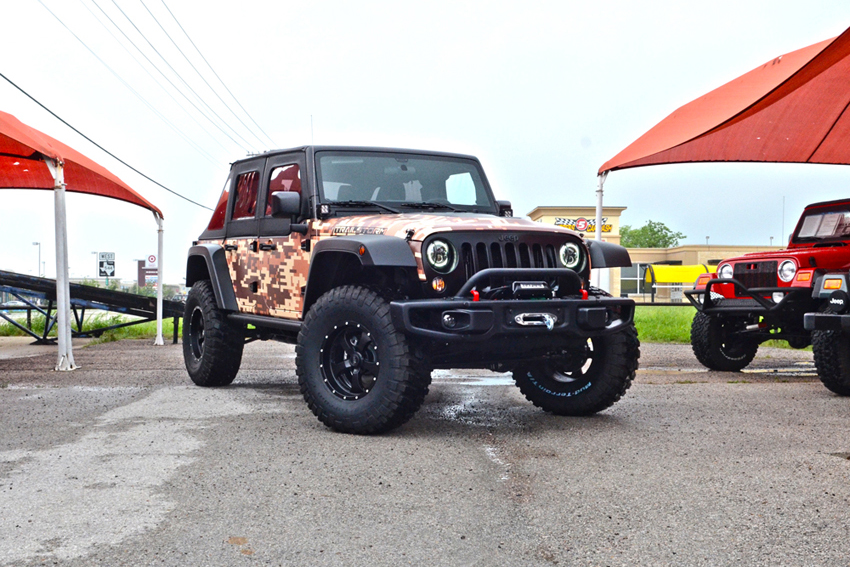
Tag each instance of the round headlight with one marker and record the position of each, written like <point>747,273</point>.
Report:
<point>786,271</point>
<point>725,272</point>
<point>440,255</point>
<point>572,256</point>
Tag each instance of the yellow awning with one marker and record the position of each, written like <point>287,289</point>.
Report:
<point>664,274</point>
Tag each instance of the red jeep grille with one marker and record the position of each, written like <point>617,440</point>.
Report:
<point>755,274</point>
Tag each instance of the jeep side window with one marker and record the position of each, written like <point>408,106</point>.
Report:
<point>283,178</point>
<point>245,200</point>
<point>217,220</point>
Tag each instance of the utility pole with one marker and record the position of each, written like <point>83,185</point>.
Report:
<point>38,269</point>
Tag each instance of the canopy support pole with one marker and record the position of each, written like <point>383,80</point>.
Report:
<point>159,232</point>
<point>65,358</point>
<point>597,276</point>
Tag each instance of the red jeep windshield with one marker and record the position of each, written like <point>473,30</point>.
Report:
<point>824,224</point>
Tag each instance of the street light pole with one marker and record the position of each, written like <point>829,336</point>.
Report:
<point>38,269</point>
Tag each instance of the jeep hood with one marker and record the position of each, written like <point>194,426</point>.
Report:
<point>418,227</point>
<point>829,257</point>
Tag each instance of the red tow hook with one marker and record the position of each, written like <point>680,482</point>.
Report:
<point>475,295</point>
<point>584,294</point>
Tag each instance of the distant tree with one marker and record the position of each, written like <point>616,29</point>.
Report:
<point>651,235</point>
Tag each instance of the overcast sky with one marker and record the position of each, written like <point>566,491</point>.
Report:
<point>542,92</point>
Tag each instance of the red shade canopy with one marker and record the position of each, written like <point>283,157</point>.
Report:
<point>791,109</point>
<point>21,167</point>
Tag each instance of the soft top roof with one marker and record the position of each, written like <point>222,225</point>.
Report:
<point>314,149</point>
<point>828,203</point>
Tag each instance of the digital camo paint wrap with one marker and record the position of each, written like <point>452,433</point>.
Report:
<point>272,282</point>
<point>269,282</point>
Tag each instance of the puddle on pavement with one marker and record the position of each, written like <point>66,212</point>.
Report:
<point>494,379</point>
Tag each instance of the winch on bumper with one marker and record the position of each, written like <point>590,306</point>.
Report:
<point>463,318</point>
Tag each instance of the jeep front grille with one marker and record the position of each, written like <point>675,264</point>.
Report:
<point>477,256</point>
<point>755,274</point>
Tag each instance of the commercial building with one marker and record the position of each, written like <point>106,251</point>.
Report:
<point>633,282</point>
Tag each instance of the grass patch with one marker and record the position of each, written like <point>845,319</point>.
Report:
<point>94,322</point>
<point>664,324</point>
<point>667,324</point>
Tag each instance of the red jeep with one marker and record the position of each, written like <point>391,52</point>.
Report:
<point>798,295</point>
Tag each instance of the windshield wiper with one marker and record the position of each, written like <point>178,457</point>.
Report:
<point>364,204</point>
<point>433,206</point>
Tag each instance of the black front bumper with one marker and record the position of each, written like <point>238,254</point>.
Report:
<point>826,322</point>
<point>461,320</point>
<point>751,300</point>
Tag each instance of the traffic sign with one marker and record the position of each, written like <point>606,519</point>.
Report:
<point>106,269</point>
<point>106,265</point>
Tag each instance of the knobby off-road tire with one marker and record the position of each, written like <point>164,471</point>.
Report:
<point>713,348</point>
<point>832,359</point>
<point>595,381</point>
<point>354,367</point>
<point>212,346</point>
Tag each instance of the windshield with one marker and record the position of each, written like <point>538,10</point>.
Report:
<point>402,180</point>
<point>824,224</point>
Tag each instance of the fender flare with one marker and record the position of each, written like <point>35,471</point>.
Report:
<point>212,257</point>
<point>379,251</point>
<point>607,255</point>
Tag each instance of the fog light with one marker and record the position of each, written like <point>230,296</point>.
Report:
<point>439,284</point>
<point>449,321</point>
<point>777,296</point>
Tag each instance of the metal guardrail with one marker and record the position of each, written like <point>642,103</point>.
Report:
<point>35,292</point>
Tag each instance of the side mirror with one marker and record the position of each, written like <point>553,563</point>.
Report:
<point>505,209</point>
<point>286,204</point>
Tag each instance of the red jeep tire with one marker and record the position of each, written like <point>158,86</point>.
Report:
<point>832,359</point>
<point>713,347</point>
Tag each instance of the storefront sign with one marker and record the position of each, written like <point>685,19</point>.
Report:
<point>582,224</point>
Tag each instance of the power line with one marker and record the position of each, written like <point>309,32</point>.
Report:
<point>158,70</point>
<point>173,70</point>
<point>131,89</point>
<point>101,147</point>
<point>174,43</point>
<point>145,69</point>
<point>216,74</point>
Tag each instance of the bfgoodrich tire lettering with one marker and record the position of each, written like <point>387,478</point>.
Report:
<point>595,380</point>
<point>714,346</point>
<point>832,359</point>
<point>355,369</point>
<point>212,346</point>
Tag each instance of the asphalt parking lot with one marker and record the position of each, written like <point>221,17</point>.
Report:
<point>124,462</point>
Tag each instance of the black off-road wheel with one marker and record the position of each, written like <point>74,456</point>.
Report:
<point>354,367</point>
<point>832,359</point>
<point>212,346</point>
<point>593,380</point>
<point>715,346</point>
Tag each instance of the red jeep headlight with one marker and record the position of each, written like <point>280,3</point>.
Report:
<point>786,270</point>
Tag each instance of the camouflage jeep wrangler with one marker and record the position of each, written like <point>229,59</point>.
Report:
<point>381,265</point>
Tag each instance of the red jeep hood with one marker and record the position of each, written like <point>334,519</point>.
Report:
<point>833,257</point>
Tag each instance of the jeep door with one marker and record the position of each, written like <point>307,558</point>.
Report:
<point>240,241</point>
<point>284,255</point>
